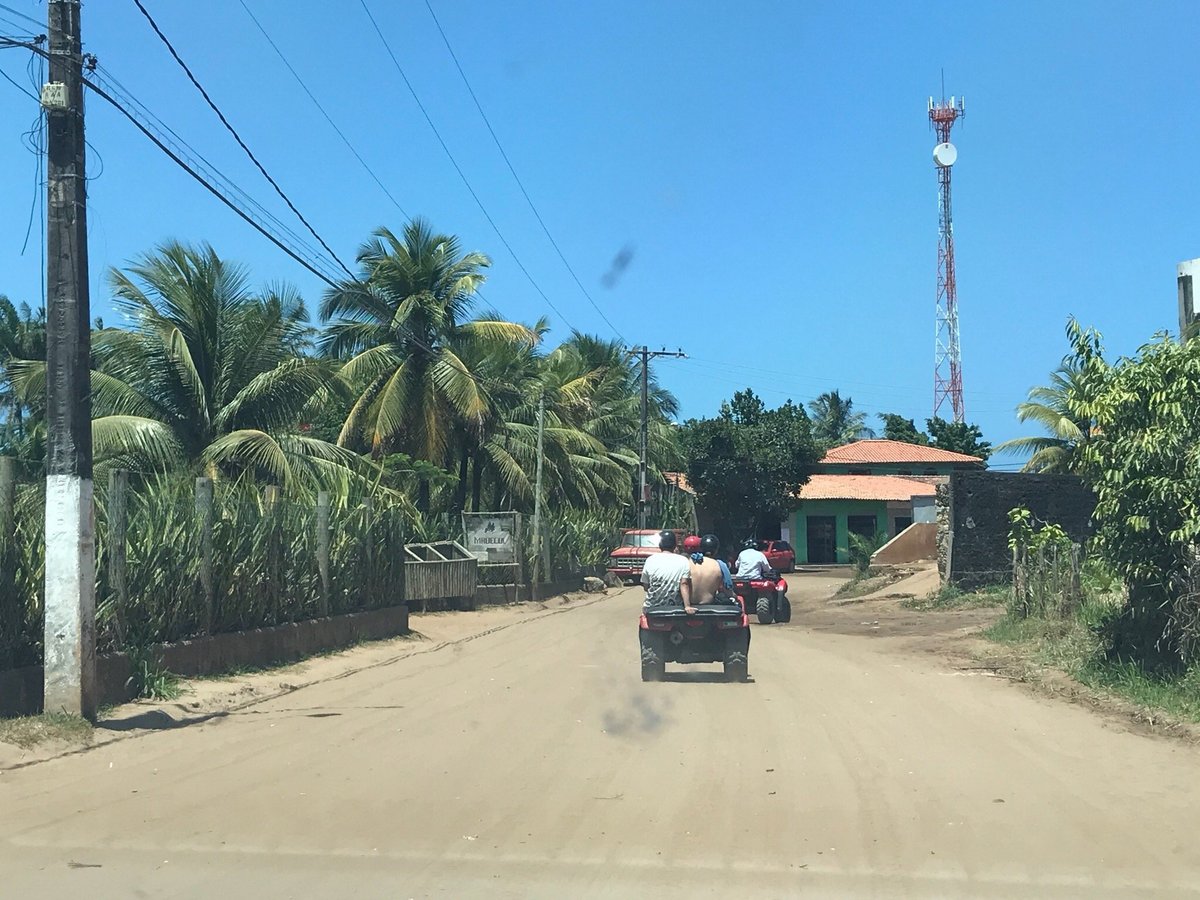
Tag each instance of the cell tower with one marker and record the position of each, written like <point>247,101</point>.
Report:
<point>947,361</point>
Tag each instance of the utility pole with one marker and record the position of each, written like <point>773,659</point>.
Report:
<point>644,437</point>
<point>538,557</point>
<point>70,603</point>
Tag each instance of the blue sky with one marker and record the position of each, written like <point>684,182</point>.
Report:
<point>767,163</point>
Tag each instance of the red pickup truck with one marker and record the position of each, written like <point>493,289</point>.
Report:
<point>628,557</point>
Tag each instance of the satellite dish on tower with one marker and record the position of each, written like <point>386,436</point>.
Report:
<point>945,155</point>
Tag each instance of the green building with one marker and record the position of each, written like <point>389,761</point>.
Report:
<point>872,488</point>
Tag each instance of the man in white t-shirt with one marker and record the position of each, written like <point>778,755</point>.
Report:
<point>752,562</point>
<point>667,576</point>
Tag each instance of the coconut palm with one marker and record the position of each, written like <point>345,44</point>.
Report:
<point>1065,407</point>
<point>403,329</point>
<point>1051,407</point>
<point>22,337</point>
<point>834,421</point>
<point>209,374</point>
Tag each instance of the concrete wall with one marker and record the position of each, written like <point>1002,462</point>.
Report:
<point>21,689</point>
<point>499,594</point>
<point>916,542</point>
<point>979,503</point>
<point>924,510</point>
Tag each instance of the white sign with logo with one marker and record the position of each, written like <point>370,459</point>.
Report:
<point>491,537</point>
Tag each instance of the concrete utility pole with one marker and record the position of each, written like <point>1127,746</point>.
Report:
<point>70,626</point>
<point>644,437</point>
<point>538,555</point>
<point>1187,273</point>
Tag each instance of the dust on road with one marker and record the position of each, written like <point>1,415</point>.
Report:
<point>533,762</point>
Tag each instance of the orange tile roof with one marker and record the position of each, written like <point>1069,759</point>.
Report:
<point>864,487</point>
<point>679,480</point>
<point>884,451</point>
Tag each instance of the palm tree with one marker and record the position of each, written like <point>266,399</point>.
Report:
<point>1065,407</point>
<point>403,330</point>
<point>834,421</point>
<point>22,337</point>
<point>209,374</point>
<point>1051,407</point>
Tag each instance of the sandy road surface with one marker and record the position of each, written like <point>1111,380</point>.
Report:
<point>532,762</point>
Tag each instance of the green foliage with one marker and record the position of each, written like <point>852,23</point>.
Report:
<point>958,437</point>
<point>835,422</point>
<point>898,428</point>
<point>22,337</point>
<point>749,461</point>
<point>863,548</point>
<point>1144,465</point>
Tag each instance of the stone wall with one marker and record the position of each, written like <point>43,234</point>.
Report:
<point>974,539</point>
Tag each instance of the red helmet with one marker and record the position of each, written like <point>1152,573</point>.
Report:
<point>691,543</point>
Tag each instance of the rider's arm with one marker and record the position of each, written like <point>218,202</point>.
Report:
<point>685,592</point>
<point>726,578</point>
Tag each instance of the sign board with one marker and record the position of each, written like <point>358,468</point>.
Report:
<point>492,537</point>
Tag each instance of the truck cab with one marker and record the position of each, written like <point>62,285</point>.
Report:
<point>632,550</point>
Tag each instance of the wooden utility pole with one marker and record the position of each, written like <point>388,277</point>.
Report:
<point>70,626</point>
<point>537,501</point>
<point>644,435</point>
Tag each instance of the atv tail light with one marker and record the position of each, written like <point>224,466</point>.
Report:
<point>781,586</point>
<point>739,623</point>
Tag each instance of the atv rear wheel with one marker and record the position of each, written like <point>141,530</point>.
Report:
<point>785,610</point>
<point>654,664</point>
<point>737,650</point>
<point>764,611</point>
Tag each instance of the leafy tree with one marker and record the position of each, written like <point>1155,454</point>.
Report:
<point>898,428</point>
<point>1057,407</point>
<point>210,374</point>
<point>958,437</point>
<point>749,462</point>
<point>1142,461</point>
<point>834,421</point>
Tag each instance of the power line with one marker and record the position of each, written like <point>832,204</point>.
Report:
<point>167,136</point>
<point>100,92</point>
<point>317,104</point>
<point>513,171</point>
<point>21,15</point>
<point>237,137</point>
<point>458,168</point>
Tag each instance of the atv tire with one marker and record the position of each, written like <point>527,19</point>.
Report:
<point>764,611</point>
<point>654,666</point>
<point>735,662</point>
<point>785,610</point>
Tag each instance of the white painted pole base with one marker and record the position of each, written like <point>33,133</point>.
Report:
<point>70,636</point>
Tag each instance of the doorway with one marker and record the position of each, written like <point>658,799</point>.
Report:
<point>822,540</point>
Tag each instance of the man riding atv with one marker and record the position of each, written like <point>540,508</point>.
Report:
<point>712,624</point>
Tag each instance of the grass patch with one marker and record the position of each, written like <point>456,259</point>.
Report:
<point>867,582</point>
<point>29,731</point>
<point>950,597</point>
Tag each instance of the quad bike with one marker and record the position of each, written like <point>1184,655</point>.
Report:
<point>715,632</point>
<point>766,597</point>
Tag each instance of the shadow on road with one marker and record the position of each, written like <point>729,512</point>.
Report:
<point>156,720</point>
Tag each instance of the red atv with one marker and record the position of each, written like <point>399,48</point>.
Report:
<point>715,632</point>
<point>766,596</point>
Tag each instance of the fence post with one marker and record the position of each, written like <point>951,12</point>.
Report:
<point>205,523</point>
<point>370,583</point>
<point>323,543</point>
<point>274,549</point>
<point>118,525</point>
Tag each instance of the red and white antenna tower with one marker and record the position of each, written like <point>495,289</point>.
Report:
<point>947,361</point>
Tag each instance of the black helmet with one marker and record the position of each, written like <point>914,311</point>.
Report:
<point>666,540</point>
<point>749,544</point>
<point>710,544</point>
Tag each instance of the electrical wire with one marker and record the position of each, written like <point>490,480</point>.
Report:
<point>21,15</point>
<point>100,92</point>
<point>517,178</point>
<point>458,168</point>
<point>237,137</point>
<point>321,109</point>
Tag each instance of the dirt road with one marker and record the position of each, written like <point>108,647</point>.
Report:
<point>532,762</point>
